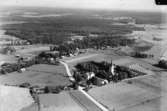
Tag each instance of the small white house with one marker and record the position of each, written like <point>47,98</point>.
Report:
<point>90,75</point>
<point>23,69</point>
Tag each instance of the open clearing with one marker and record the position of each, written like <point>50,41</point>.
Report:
<point>142,94</point>
<point>41,74</point>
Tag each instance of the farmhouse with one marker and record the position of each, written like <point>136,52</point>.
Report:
<point>99,82</point>
<point>89,75</point>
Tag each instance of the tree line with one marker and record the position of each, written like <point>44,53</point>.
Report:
<point>96,43</point>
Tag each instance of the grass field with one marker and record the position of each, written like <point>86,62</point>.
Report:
<point>38,74</point>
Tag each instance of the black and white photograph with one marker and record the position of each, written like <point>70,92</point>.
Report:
<point>83,55</point>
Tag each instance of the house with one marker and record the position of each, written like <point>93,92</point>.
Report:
<point>71,55</point>
<point>38,90</point>
<point>99,82</point>
<point>89,75</point>
<point>22,70</point>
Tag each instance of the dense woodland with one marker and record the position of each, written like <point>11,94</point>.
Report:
<point>57,30</point>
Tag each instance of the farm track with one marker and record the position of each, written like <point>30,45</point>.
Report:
<point>81,58</point>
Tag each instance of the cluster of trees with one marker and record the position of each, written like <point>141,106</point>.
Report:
<point>97,43</point>
<point>141,55</point>
<point>102,70</point>
<point>53,89</point>
<point>46,89</point>
<point>162,64</point>
<point>11,67</point>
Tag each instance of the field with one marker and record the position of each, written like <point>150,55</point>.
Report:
<point>31,49</point>
<point>55,102</point>
<point>86,103</point>
<point>7,58</point>
<point>38,75</point>
<point>52,26</point>
<point>108,55</point>
<point>62,102</point>
<point>13,98</point>
<point>141,94</point>
<point>94,55</point>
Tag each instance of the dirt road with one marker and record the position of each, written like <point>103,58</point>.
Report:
<point>83,97</point>
<point>81,58</point>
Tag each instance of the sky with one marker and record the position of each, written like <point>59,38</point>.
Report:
<point>147,5</point>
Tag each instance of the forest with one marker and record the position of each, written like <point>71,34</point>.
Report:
<point>58,30</point>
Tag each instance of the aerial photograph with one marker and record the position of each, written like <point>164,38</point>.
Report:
<point>83,55</point>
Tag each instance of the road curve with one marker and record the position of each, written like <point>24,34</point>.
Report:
<point>68,71</point>
<point>81,89</point>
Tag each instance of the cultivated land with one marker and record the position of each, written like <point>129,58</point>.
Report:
<point>95,55</point>
<point>14,98</point>
<point>7,58</point>
<point>108,55</point>
<point>41,74</point>
<point>86,103</point>
<point>31,49</point>
<point>55,102</point>
<point>142,94</point>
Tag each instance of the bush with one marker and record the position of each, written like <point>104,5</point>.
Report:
<point>25,85</point>
<point>162,64</point>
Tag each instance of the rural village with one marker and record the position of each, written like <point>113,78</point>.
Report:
<point>76,63</point>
